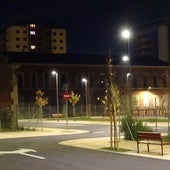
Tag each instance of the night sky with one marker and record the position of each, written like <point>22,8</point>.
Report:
<point>93,26</point>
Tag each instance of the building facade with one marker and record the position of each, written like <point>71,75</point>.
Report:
<point>8,96</point>
<point>149,86</point>
<point>34,39</point>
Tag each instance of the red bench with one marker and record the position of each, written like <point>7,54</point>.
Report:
<point>150,138</point>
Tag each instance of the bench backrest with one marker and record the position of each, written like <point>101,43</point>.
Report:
<point>148,135</point>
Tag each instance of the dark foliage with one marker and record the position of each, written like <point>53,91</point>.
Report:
<point>130,126</point>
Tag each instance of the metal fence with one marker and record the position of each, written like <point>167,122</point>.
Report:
<point>30,111</point>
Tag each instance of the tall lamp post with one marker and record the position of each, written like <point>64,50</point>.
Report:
<point>126,35</point>
<point>149,88</point>
<point>126,59</point>
<point>56,76</point>
<point>127,78</point>
<point>84,80</point>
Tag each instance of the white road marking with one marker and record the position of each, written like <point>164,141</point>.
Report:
<point>22,151</point>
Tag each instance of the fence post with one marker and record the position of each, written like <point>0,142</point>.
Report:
<point>156,116</point>
<point>168,118</point>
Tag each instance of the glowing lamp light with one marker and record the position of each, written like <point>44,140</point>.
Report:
<point>126,34</point>
<point>125,58</point>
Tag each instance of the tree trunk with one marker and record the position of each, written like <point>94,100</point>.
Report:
<point>74,111</point>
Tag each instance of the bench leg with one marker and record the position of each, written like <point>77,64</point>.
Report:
<point>137,147</point>
<point>162,152</point>
<point>148,147</point>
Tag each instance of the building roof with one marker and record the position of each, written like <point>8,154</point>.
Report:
<point>85,59</point>
<point>55,58</point>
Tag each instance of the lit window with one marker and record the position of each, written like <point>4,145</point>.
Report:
<point>32,25</point>
<point>33,47</point>
<point>32,32</point>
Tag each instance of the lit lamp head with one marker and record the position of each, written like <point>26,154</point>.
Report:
<point>128,74</point>
<point>54,72</point>
<point>84,80</point>
<point>149,87</point>
<point>126,34</point>
<point>125,58</point>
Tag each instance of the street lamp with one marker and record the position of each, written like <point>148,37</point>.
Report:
<point>84,80</point>
<point>149,88</point>
<point>127,78</point>
<point>128,93</point>
<point>56,75</point>
<point>126,34</point>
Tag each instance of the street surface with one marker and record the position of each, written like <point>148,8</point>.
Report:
<point>46,153</point>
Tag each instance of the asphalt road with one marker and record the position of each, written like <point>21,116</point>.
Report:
<point>42,153</point>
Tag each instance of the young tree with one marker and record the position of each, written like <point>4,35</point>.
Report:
<point>74,99</point>
<point>41,101</point>
<point>114,103</point>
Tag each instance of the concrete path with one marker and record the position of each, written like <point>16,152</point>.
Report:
<point>128,146</point>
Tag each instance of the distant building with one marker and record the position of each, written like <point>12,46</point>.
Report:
<point>34,39</point>
<point>152,40</point>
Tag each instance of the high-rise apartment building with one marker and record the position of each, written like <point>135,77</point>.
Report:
<point>152,40</point>
<point>33,39</point>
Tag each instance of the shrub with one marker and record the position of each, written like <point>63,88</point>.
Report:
<point>166,138</point>
<point>130,126</point>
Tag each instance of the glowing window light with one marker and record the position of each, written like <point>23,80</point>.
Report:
<point>32,32</point>
<point>33,47</point>
<point>32,25</point>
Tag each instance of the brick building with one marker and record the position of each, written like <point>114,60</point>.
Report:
<point>149,85</point>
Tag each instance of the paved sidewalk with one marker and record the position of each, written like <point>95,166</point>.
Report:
<point>130,146</point>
